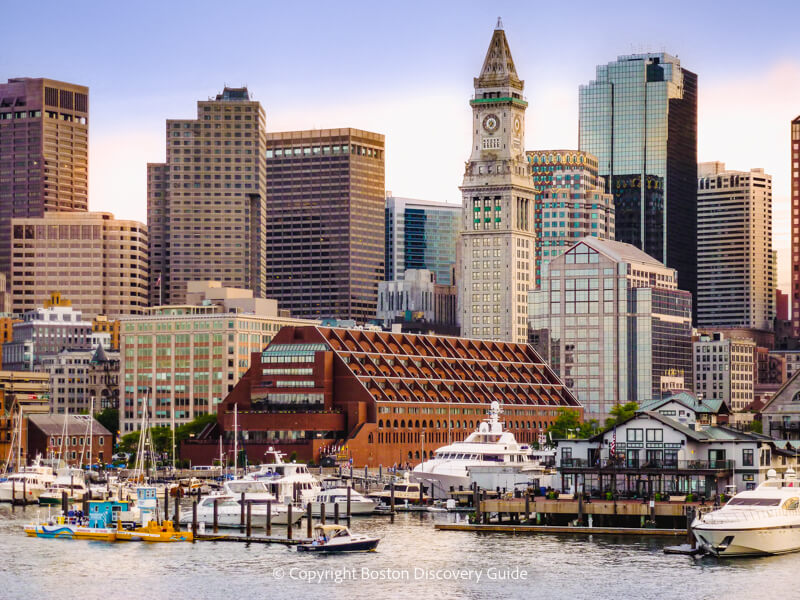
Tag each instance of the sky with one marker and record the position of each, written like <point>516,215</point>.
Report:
<point>405,70</point>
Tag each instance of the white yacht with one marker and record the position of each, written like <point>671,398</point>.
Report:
<point>765,520</point>
<point>290,482</point>
<point>32,480</point>
<point>69,480</point>
<point>405,491</point>
<point>359,504</point>
<point>489,446</point>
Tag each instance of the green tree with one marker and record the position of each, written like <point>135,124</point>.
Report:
<point>109,418</point>
<point>568,424</point>
<point>756,426</point>
<point>620,413</point>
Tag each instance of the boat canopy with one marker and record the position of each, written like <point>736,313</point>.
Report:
<point>330,530</point>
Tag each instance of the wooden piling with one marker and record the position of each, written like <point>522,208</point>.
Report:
<point>24,491</point>
<point>194,520</point>
<point>166,504</point>
<point>308,520</point>
<point>391,501</point>
<point>241,513</point>
<point>336,513</point>
<point>289,521</point>
<point>348,505</point>
<point>177,521</point>
<point>216,515</point>
<point>14,494</point>
<point>269,518</point>
<point>421,494</point>
<point>249,519</point>
<point>527,505</point>
<point>322,513</point>
<point>64,502</point>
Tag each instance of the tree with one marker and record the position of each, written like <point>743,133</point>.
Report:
<point>620,413</point>
<point>756,426</point>
<point>568,424</point>
<point>109,418</point>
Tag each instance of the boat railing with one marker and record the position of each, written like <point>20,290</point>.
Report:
<point>719,517</point>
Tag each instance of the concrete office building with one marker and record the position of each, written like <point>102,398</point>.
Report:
<point>418,304</point>
<point>735,268</point>
<point>206,203</point>
<point>421,234</point>
<point>610,320</point>
<point>497,241</point>
<point>184,359</point>
<point>325,222</point>
<point>44,151</point>
<point>77,378</point>
<point>639,118</point>
<point>571,204</point>
<point>725,369</point>
<point>105,258</point>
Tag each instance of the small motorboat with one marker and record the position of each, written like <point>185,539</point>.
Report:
<point>337,538</point>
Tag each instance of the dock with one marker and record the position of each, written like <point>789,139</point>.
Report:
<point>554,529</point>
<point>222,537</point>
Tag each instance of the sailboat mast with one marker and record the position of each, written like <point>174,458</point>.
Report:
<point>173,438</point>
<point>91,429</point>
<point>235,438</point>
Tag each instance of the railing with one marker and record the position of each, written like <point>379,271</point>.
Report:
<point>718,517</point>
<point>688,465</point>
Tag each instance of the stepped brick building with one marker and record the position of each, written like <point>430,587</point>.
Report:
<point>381,398</point>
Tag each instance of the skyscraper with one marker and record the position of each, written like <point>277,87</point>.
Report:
<point>421,235</point>
<point>639,117</point>
<point>572,202</point>
<point>735,270</point>
<point>206,204</point>
<point>325,222</point>
<point>497,237</point>
<point>795,162</point>
<point>44,151</point>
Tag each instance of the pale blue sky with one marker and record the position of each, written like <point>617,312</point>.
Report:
<point>402,69</point>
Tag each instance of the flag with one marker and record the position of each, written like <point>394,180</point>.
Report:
<point>158,281</point>
<point>612,452</point>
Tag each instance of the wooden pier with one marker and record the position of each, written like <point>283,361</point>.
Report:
<point>531,529</point>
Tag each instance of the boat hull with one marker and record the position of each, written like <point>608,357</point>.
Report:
<point>367,545</point>
<point>71,532</point>
<point>360,507</point>
<point>748,542</point>
<point>439,484</point>
<point>31,494</point>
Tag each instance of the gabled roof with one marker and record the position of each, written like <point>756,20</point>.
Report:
<point>706,434</point>
<point>498,66</point>
<point>780,391</point>
<point>712,406</point>
<point>76,424</point>
<point>620,251</point>
<point>100,355</point>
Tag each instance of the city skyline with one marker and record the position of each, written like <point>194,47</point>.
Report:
<point>418,91</point>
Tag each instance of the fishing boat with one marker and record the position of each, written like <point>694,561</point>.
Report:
<point>337,538</point>
<point>762,521</point>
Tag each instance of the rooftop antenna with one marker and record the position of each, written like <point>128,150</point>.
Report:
<point>499,23</point>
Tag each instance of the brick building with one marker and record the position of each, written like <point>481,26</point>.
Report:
<point>46,436</point>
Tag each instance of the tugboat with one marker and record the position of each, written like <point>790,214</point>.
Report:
<point>337,538</point>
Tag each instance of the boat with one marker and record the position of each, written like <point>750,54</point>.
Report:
<point>359,504</point>
<point>488,446</point>
<point>67,480</point>
<point>154,531</point>
<point>290,482</point>
<point>337,538</point>
<point>27,484</point>
<point>405,491</point>
<point>762,521</point>
<point>229,512</point>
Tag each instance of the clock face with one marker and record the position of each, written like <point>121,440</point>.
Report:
<point>491,123</point>
<point>517,124</point>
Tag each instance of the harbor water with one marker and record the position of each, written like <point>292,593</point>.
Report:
<point>413,561</point>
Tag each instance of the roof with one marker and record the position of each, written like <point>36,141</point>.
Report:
<point>329,528</point>
<point>706,406</point>
<point>76,424</point>
<point>620,251</point>
<point>789,382</point>
<point>498,66</point>
<point>100,355</point>
<point>706,434</point>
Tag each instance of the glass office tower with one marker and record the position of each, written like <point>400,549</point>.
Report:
<point>639,117</point>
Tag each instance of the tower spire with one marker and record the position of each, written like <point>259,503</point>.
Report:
<point>498,66</point>
<point>499,24</point>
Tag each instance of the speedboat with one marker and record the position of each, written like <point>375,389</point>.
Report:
<point>359,504</point>
<point>765,520</point>
<point>290,482</point>
<point>489,446</point>
<point>337,538</point>
<point>27,484</point>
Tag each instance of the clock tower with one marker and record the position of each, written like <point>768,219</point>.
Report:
<point>497,234</point>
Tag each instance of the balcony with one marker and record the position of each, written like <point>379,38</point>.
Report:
<point>606,464</point>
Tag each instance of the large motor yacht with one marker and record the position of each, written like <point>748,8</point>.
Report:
<point>290,482</point>
<point>765,520</point>
<point>489,446</point>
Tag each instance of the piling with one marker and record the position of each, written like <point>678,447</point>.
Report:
<point>216,515</point>
<point>289,521</point>
<point>380,472</point>
<point>249,517</point>
<point>269,519</point>
<point>476,500</point>
<point>177,520</point>
<point>241,514</point>
<point>308,520</point>
<point>24,491</point>
<point>336,513</point>
<point>421,494</point>
<point>689,534</point>
<point>527,505</point>
<point>64,502</point>
<point>166,504</point>
<point>580,507</point>
<point>194,520</point>
<point>322,513</point>
<point>85,506</point>
<point>348,505</point>
<point>14,494</point>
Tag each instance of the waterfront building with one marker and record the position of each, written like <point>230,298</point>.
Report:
<point>421,234</point>
<point>735,271</point>
<point>726,370</point>
<point>795,162</point>
<point>5,296</point>
<point>47,330</point>
<point>688,409</point>
<point>572,202</point>
<point>381,398</point>
<point>610,320</point>
<point>184,359</point>
<point>639,118</point>
<point>417,303</point>
<point>780,416</point>
<point>47,438</point>
<point>44,151</point>
<point>652,452</point>
<point>206,204</point>
<point>79,376</point>
<point>325,247</point>
<point>105,260</point>
<point>497,241</point>
<point>20,392</point>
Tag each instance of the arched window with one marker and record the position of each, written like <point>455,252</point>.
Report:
<point>416,454</point>
<point>380,423</point>
<point>370,438</point>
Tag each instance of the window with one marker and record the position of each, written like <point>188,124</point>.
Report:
<point>748,457</point>
<point>655,435</point>
<point>635,435</point>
